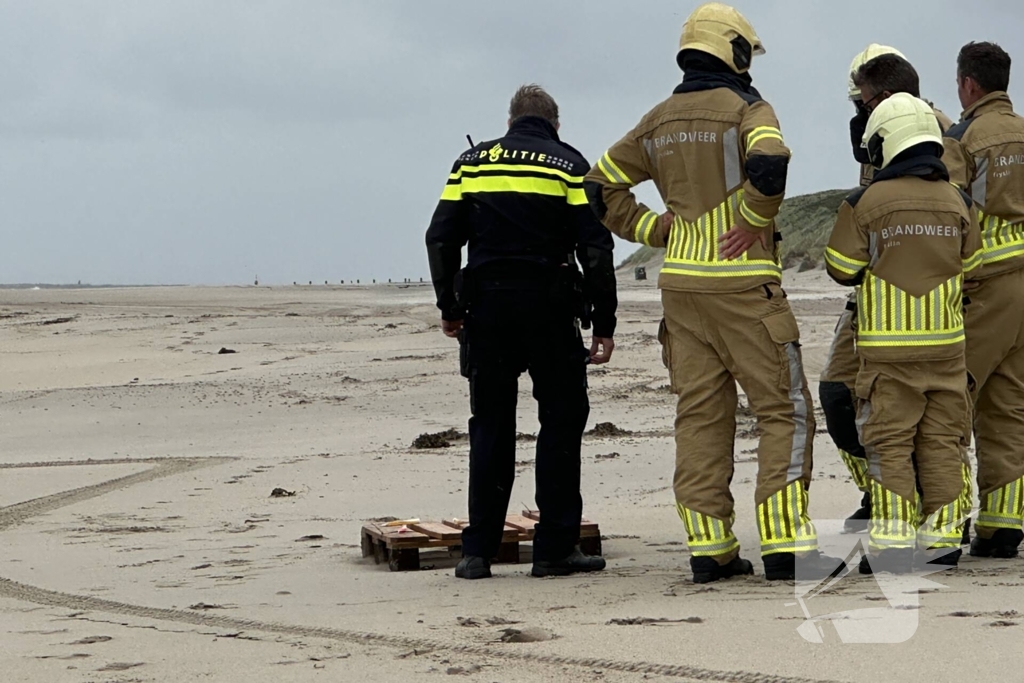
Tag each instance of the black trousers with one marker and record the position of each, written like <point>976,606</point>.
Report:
<point>512,329</point>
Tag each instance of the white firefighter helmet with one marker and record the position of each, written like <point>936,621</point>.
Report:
<point>721,31</point>
<point>870,52</point>
<point>896,125</point>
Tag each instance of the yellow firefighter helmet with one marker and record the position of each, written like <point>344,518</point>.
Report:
<point>721,31</point>
<point>896,125</point>
<point>870,52</point>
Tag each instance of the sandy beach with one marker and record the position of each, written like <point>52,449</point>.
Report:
<point>140,541</point>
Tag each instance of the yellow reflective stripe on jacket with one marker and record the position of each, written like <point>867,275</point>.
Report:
<point>888,316</point>
<point>693,248</point>
<point>784,524</point>
<point>645,228</point>
<point>452,193</point>
<point>972,261</point>
<point>756,220</point>
<point>528,168</point>
<point>544,186</point>
<point>763,133</point>
<point>612,172</point>
<point>1000,239</point>
<point>893,519</point>
<point>842,263</point>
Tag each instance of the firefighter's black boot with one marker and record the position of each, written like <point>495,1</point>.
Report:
<point>707,570</point>
<point>810,567</point>
<point>1004,544</point>
<point>858,522</point>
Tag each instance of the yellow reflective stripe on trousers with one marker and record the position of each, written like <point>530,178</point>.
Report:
<point>645,228</point>
<point>888,316</point>
<point>858,468</point>
<point>612,172</point>
<point>763,133</point>
<point>943,528</point>
<point>842,263</point>
<point>893,519</point>
<point>1004,507</point>
<point>784,524</point>
<point>693,250</point>
<point>1000,239</point>
<point>542,186</point>
<point>707,536</point>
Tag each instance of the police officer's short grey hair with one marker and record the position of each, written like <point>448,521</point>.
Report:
<point>533,100</point>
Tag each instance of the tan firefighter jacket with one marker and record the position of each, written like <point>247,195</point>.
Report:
<point>718,159</point>
<point>908,239</point>
<point>985,156</point>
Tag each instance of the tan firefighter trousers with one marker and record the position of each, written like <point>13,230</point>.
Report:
<point>711,342</point>
<point>995,358</point>
<point>912,419</point>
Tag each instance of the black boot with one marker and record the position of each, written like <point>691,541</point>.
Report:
<point>707,570</point>
<point>813,567</point>
<point>1003,544</point>
<point>858,522</point>
<point>576,562</point>
<point>966,538</point>
<point>926,560</point>
<point>892,560</point>
<point>473,568</point>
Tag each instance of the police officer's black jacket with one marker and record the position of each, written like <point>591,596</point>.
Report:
<point>519,203</point>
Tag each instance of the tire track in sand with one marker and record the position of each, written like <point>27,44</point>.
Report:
<point>13,515</point>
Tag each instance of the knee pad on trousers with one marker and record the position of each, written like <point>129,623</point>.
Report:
<point>841,417</point>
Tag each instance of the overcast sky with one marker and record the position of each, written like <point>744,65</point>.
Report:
<point>177,141</point>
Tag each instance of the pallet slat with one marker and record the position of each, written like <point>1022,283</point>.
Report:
<point>442,532</point>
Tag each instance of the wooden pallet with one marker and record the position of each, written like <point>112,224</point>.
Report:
<point>399,546</point>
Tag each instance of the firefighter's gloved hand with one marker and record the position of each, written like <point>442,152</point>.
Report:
<point>667,219</point>
<point>738,240</point>
<point>601,350</point>
<point>451,328</point>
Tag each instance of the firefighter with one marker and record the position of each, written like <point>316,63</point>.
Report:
<point>727,319</point>
<point>908,240</point>
<point>985,156</point>
<point>519,203</point>
<point>875,74</point>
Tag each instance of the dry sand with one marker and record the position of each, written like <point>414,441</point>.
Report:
<point>140,542</point>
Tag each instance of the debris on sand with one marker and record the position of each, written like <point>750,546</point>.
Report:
<point>281,493</point>
<point>443,439</point>
<point>464,671</point>
<point>311,537</point>
<point>606,430</point>
<point>92,640</point>
<point>383,520</point>
<point>57,321</point>
<point>607,456</point>
<point>204,606</point>
<point>529,634</point>
<point>645,621</point>
<point>472,622</point>
<point>224,351</point>
<point>526,437</point>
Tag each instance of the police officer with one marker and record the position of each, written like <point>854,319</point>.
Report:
<point>519,203</point>
<point>985,156</point>
<point>908,240</point>
<point>875,74</point>
<point>726,316</point>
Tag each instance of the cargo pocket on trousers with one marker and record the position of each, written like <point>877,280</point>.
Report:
<point>783,330</point>
<point>665,339</point>
<point>863,389</point>
<point>463,353</point>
